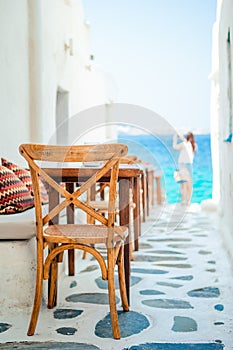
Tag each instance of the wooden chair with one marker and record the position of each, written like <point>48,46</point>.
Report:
<point>58,238</point>
<point>101,204</point>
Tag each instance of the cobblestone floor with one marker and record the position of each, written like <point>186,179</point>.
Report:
<point>181,295</point>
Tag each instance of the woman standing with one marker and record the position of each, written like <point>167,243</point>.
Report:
<point>187,149</point>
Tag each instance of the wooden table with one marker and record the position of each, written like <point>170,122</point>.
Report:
<point>153,174</point>
<point>128,176</point>
<point>157,177</point>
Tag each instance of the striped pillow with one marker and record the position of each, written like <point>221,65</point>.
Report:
<point>14,195</point>
<point>25,176</point>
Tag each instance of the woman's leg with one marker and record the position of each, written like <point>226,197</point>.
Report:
<point>183,192</point>
<point>189,191</point>
<point>187,186</point>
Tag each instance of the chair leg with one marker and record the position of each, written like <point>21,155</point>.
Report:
<point>85,252</point>
<point>52,285</point>
<point>37,299</point>
<point>121,278</point>
<point>71,262</point>
<point>112,295</point>
<point>91,221</point>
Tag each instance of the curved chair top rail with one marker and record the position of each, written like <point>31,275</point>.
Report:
<point>76,153</point>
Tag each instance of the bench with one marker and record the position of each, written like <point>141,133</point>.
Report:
<point>17,259</point>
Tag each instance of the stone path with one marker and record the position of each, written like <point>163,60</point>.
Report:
<point>181,296</point>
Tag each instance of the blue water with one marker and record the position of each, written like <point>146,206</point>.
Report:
<point>158,151</point>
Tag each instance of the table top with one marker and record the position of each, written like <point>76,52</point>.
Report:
<point>81,173</point>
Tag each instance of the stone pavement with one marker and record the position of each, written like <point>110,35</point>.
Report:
<point>181,295</point>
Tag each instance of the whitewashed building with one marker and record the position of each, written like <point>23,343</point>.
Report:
<point>221,117</point>
<point>47,71</point>
<point>47,78</point>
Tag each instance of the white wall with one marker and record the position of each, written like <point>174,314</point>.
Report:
<point>222,151</point>
<point>14,88</point>
<point>68,69</point>
<point>37,62</point>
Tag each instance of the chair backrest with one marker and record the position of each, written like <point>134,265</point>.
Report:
<point>130,159</point>
<point>38,156</point>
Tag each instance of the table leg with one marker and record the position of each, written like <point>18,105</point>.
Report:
<point>144,196</point>
<point>136,211</point>
<point>158,190</point>
<point>148,192</point>
<point>153,188</point>
<point>124,191</point>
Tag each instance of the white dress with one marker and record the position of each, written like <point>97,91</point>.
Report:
<point>185,159</point>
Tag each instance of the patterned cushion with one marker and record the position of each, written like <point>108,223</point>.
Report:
<point>25,176</point>
<point>14,195</point>
<point>21,173</point>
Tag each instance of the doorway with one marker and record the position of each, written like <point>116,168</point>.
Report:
<point>62,117</point>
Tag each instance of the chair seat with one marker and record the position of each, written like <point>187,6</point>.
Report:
<point>87,234</point>
<point>101,205</point>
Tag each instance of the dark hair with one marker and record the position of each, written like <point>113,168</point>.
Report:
<point>190,138</point>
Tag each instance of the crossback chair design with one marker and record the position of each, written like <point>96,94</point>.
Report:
<point>101,205</point>
<point>60,237</point>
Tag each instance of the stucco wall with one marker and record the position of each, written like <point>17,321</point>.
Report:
<point>14,106</point>
<point>37,62</point>
<point>221,112</point>
<point>66,64</point>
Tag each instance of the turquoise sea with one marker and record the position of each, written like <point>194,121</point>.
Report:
<point>158,151</point>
